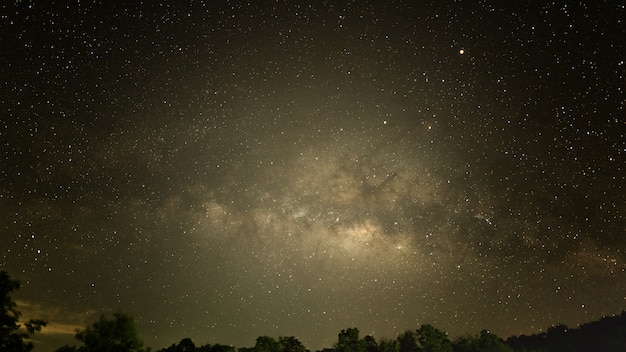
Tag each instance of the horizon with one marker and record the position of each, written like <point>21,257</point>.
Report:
<point>71,341</point>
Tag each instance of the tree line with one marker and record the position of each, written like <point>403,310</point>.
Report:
<point>119,334</point>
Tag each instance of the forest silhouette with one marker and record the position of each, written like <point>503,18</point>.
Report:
<point>119,334</point>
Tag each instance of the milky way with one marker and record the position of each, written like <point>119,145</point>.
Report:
<point>225,171</point>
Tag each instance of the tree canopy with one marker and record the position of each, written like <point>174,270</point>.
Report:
<point>485,342</point>
<point>14,336</point>
<point>348,341</point>
<point>116,334</point>
<point>432,339</point>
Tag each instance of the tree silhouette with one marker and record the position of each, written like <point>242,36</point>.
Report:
<point>185,345</point>
<point>486,342</point>
<point>291,344</point>
<point>386,345</point>
<point>14,337</point>
<point>216,348</point>
<point>266,344</point>
<point>370,344</point>
<point>348,341</point>
<point>117,334</point>
<point>605,335</point>
<point>432,339</point>
<point>407,342</point>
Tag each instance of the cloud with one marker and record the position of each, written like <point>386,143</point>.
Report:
<point>60,320</point>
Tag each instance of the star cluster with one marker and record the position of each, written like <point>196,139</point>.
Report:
<point>223,170</point>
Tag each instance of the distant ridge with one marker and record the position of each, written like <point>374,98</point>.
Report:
<point>607,334</point>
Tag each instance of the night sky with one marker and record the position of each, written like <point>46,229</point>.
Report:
<point>223,171</point>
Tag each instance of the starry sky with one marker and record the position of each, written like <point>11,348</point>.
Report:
<point>224,170</point>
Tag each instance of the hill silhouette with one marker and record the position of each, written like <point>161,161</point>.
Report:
<point>605,335</point>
